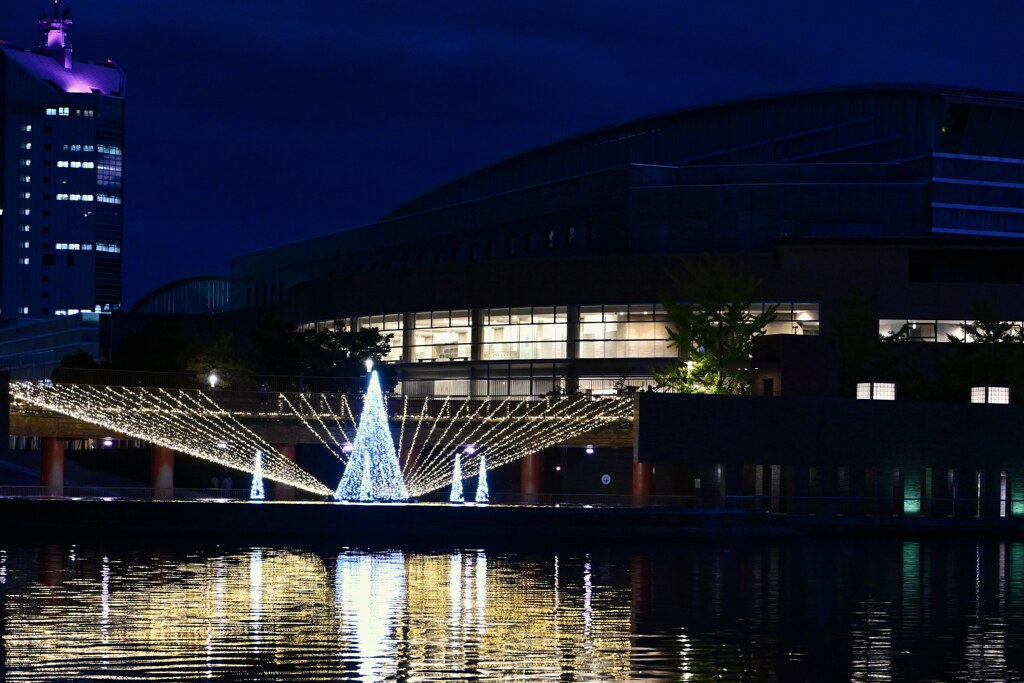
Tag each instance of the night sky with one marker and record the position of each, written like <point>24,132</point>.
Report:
<point>252,124</point>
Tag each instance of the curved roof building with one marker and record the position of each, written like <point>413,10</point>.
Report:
<point>913,194</point>
<point>190,295</point>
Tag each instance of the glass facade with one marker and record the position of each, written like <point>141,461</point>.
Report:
<point>387,324</point>
<point>441,336</point>
<point>929,330</point>
<point>546,333</point>
<point>792,318</point>
<point>633,331</point>
<point>524,333</point>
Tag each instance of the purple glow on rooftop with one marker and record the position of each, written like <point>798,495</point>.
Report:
<point>81,77</point>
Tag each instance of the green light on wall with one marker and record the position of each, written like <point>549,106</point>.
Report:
<point>912,492</point>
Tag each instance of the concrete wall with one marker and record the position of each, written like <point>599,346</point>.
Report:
<point>812,430</point>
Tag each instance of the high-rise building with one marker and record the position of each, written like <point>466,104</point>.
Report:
<point>62,173</point>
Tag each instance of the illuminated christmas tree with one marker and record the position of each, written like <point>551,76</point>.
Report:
<point>256,490</point>
<point>456,494</point>
<point>372,472</point>
<point>482,492</point>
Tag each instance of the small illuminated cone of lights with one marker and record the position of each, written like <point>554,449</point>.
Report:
<point>256,490</point>
<point>482,492</point>
<point>456,494</point>
<point>372,471</point>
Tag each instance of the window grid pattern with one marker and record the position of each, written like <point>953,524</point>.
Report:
<point>441,336</point>
<point>633,331</point>
<point>525,333</point>
<point>919,330</point>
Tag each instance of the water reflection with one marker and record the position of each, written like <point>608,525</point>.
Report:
<point>853,610</point>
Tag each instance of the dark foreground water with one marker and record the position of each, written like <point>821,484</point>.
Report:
<point>739,610</point>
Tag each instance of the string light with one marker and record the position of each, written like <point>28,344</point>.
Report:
<point>482,492</point>
<point>456,495</point>
<point>188,422</point>
<point>256,490</point>
<point>191,422</point>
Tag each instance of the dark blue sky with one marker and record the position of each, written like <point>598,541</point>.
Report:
<point>252,124</point>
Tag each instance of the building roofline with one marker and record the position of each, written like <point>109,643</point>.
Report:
<point>169,286</point>
<point>935,90</point>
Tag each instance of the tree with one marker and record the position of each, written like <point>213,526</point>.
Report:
<point>988,352</point>
<point>277,348</point>
<point>714,332</point>
<point>988,328</point>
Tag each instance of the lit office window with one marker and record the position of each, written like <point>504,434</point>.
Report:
<point>25,162</point>
<point>441,336</point>
<point>111,248</point>
<point>63,164</point>
<point>24,228</point>
<point>26,128</point>
<point>25,212</point>
<point>25,195</point>
<point>23,310</point>
<point>23,260</point>
<point>525,333</point>
<point>63,111</point>
<point>26,145</point>
<point>876,391</point>
<point>25,245</point>
<point>108,199</point>
<point>917,330</point>
<point>633,331</point>
<point>51,111</point>
<point>791,318</point>
<point>26,179</point>
<point>386,324</point>
<point>999,395</point>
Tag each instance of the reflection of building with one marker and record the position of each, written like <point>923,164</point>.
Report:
<point>62,146</point>
<point>546,269</point>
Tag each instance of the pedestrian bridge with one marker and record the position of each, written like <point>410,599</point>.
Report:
<point>230,427</point>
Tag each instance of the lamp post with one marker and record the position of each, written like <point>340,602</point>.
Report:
<point>213,379</point>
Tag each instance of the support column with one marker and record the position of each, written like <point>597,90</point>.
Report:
<point>733,483</point>
<point>990,492</point>
<point>531,473</point>
<point>1015,492</point>
<point>895,490</point>
<point>965,492</point>
<point>163,472</point>
<point>857,487</point>
<point>643,483</point>
<point>799,480</point>
<point>760,502</point>
<point>775,489</point>
<point>827,490</point>
<point>51,467</point>
<point>285,491</point>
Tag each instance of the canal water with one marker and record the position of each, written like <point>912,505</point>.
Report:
<point>749,609</point>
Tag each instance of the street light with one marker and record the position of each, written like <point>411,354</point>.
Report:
<point>369,364</point>
<point>213,379</point>
<point>470,449</point>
